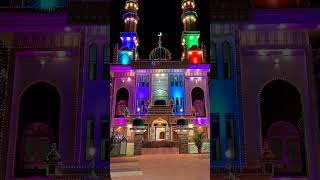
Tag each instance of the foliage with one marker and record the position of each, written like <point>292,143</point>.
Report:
<point>198,139</point>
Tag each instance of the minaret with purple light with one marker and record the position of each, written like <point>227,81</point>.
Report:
<point>129,37</point>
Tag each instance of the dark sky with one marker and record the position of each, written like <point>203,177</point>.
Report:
<point>159,16</point>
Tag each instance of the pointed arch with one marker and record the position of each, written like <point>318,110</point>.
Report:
<point>213,60</point>
<point>39,115</point>
<point>93,50</point>
<point>227,60</point>
<point>283,126</point>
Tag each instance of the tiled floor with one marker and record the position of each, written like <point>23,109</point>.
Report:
<point>161,164</point>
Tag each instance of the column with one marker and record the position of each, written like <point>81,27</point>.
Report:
<point>138,143</point>
<point>183,142</point>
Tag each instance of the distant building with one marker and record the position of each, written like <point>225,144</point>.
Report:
<point>54,85</point>
<point>263,87</point>
<point>158,89</point>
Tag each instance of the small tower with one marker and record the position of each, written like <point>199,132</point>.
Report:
<point>189,16</point>
<point>193,53</point>
<point>129,38</point>
<point>131,17</point>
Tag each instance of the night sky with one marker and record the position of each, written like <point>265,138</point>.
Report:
<point>160,16</point>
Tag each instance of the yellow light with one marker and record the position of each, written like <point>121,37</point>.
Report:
<point>189,52</point>
<point>199,52</point>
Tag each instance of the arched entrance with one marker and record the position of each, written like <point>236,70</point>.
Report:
<point>38,127</point>
<point>282,126</point>
<point>161,130</point>
<point>160,102</point>
<point>160,97</point>
<point>198,104</point>
<point>122,100</point>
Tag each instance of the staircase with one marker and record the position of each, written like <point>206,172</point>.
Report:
<point>160,109</point>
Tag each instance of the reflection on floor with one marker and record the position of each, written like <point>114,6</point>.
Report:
<point>161,163</point>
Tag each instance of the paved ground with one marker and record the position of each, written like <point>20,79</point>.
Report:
<point>161,164</point>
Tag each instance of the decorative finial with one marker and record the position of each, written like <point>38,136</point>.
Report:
<point>160,42</point>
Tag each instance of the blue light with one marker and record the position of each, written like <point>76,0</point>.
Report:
<point>128,39</point>
<point>124,57</point>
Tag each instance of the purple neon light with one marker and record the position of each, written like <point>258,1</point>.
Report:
<point>120,68</point>
<point>200,121</point>
<point>121,121</point>
<point>199,66</point>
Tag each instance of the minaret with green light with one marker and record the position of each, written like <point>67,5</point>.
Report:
<point>129,38</point>
<point>193,53</point>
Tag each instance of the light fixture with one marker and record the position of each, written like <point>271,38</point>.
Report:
<point>262,52</point>
<point>67,29</point>
<point>251,27</point>
<point>282,26</point>
<point>286,52</point>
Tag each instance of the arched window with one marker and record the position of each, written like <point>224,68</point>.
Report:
<point>106,61</point>
<point>138,81</point>
<point>226,53</point>
<point>198,102</point>
<point>143,80</point>
<point>92,62</point>
<point>147,81</point>
<point>180,81</point>
<point>172,81</point>
<point>213,61</point>
<point>122,100</point>
<point>176,80</point>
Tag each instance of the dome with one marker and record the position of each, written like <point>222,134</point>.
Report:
<point>182,122</point>
<point>160,53</point>
<point>137,122</point>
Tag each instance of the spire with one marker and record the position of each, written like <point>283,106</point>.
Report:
<point>189,16</point>
<point>131,17</point>
<point>159,42</point>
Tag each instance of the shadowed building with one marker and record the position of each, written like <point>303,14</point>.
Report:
<point>54,86</point>
<point>262,88</point>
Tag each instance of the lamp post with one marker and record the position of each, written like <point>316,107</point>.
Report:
<point>92,164</point>
<point>229,175</point>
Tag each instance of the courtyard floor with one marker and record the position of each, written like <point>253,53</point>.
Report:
<point>160,164</point>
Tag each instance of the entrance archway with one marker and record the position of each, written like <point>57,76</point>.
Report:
<point>39,116</point>
<point>160,102</point>
<point>198,104</point>
<point>122,100</point>
<point>160,129</point>
<point>282,126</point>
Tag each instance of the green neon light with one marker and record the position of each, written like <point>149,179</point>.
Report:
<point>191,39</point>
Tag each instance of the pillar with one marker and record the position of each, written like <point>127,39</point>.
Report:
<point>138,143</point>
<point>183,142</point>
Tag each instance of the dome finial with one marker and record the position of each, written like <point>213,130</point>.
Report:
<point>160,42</point>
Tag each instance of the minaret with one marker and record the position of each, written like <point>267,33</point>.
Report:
<point>189,16</point>
<point>129,38</point>
<point>131,17</point>
<point>193,53</point>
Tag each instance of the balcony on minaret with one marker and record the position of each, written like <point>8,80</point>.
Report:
<point>129,39</point>
<point>195,55</point>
